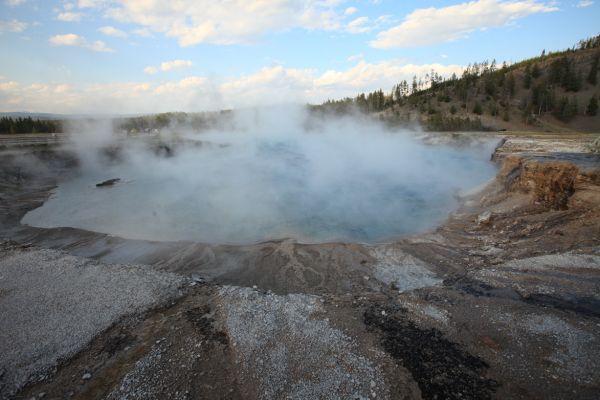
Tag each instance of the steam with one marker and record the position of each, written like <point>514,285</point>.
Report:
<point>267,174</point>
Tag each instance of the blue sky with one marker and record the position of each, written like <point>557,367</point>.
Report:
<point>107,56</point>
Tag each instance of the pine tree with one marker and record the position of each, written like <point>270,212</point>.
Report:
<point>527,77</point>
<point>506,114</point>
<point>593,75</point>
<point>510,85</point>
<point>490,85</point>
<point>592,108</point>
<point>573,81</point>
<point>566,109</point>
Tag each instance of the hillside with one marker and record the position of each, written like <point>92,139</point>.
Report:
<point>555,92</point>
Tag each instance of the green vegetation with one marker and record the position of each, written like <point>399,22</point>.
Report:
<point>10,125</point>
<point>566,109</point>
<point>443,123</point>
<point>551,85</point>
<point>592,108</point>
<point>593,75</point>
<point>179,120</point>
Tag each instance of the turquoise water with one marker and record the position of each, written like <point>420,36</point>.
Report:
<point>314,188</point>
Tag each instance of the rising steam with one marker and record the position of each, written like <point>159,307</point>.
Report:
<point>267,174</point>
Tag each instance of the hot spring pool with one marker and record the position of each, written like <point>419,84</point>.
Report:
<point>250,187</point>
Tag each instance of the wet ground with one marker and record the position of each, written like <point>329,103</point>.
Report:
<point>502,301</point>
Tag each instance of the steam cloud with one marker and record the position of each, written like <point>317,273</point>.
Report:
<point>272,173</point>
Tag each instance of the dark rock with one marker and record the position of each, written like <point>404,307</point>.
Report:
<point>200,317</point>
<point>117,342</point>
<point>108,182</point>
<point>587,306</point>
<point>441,368</point>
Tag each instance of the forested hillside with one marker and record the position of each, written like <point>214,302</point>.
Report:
<point>556,91</point>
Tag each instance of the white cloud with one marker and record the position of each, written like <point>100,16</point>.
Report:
<point>14,3</point>
<point>350,10</point>
<point>368,76</point>
<point>584,3</point>
<point>8,86</point>
<point>428,26</point>
<point>365,24</point>
<point>14,26</point>
<point>112,31</point>
<point>236,21</point>
<point>69,16</point>
<point>268,85</point>
<point>71,39</point>
<point>100,46</point>
<point>279,84</point>
<point>168,66</point>
<point>61,89</point>
<point>175,64</point>
<point>89,3</point>
<point>143,32</point>
<point>359,25</point>
<point>181,86</point>
<point>383,19</point>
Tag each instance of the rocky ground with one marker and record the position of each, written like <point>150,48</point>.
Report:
<point>502,301</point>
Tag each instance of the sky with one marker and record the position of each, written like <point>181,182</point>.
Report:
<point>146,56</point>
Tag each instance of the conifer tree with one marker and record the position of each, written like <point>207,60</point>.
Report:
<point>593,75</point>
<point>592,108</point>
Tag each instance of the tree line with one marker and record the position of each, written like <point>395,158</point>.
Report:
<point>9,125</point>
<point>171,120</point>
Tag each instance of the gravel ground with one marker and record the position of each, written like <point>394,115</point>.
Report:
<point>573,345</point>
<point>289,348</point>
<point>403,271</point>
<point>249,344</point>
<point>555,261</point>
<point>565,274</point>
<point>150,375</point>
<point>53,304</point>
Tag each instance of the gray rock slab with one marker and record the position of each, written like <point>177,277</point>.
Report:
<point>52,304</point>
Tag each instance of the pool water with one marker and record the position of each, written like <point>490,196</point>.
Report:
<point>361,187</point>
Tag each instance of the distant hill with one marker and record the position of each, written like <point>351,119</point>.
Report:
<point>556,91</point>
<point>34,115</point>
<point>52,116</point>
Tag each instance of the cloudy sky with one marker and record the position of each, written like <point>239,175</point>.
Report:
<point>140,56</point>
